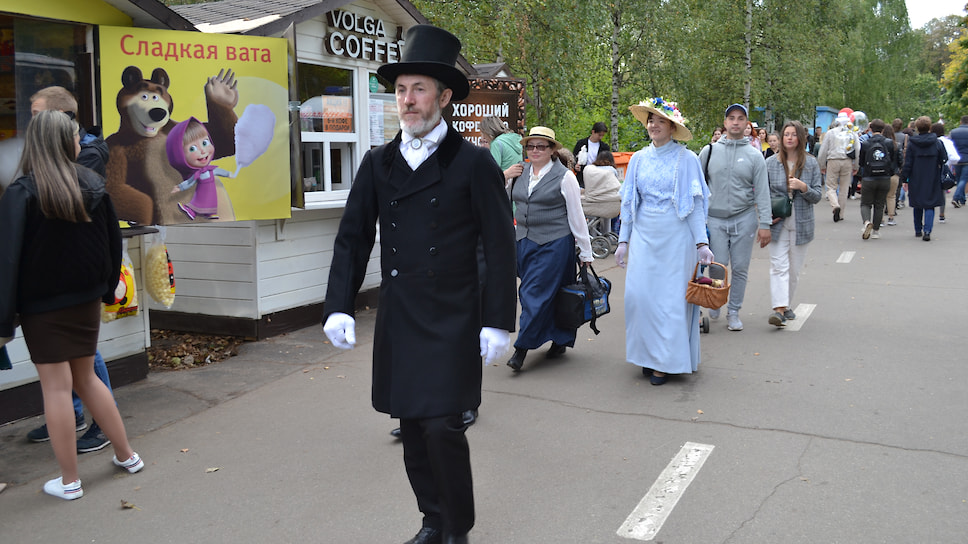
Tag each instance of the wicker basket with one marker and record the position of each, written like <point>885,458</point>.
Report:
<point>707,296</point>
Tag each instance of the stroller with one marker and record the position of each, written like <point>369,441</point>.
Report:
<point>601,203</point>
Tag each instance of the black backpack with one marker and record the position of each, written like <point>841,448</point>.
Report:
<point>879,163</point>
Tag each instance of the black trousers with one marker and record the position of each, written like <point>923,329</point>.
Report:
<point>438,461</point>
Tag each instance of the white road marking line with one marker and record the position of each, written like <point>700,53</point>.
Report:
<point>803,311</point>
<point>846,256</point>
<point>648,517</point>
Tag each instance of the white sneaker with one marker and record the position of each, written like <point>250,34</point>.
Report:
<point>866,232</point>
<point>67,492</point>
<point>714,314</point>
<point>875,235</point>
<point>732,321</point>
<point>132,465</point>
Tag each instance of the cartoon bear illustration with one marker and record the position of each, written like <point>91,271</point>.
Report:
<point>139,176</point>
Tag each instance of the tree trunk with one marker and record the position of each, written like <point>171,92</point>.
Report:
<point>616,75</point>
<point>748,53</point>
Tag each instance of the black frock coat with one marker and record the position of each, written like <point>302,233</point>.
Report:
<point>426,348</point>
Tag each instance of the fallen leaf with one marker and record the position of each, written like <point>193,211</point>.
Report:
<point>184,450</point>
<point>128,505</point>
<point>211,469</point>
<point>698,411</point>
<point>756,354</point>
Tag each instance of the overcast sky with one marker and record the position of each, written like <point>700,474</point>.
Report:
<point>922,11</point>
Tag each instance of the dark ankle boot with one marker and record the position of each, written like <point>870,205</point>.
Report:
<point>517,360</point>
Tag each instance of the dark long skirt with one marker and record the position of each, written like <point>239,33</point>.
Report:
<point>543,269</point>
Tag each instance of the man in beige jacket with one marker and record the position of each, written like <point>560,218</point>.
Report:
<point>839,160</point>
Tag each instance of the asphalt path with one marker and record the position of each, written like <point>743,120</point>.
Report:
<point>849,427</point>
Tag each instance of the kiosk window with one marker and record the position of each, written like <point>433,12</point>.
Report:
<point>329,130</point>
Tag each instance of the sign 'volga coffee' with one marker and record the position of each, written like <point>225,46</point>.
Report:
<point>373,45</point>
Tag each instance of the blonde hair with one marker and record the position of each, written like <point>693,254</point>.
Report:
<point>49,153</point>
<point>492,127</point>
<point>194,131</point>
<point>56,98</point>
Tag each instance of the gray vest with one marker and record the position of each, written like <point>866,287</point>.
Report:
<point>543,216</point>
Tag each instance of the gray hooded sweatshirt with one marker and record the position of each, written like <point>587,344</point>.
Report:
<point>737,180</point>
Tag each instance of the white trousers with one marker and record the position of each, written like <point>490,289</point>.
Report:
<point>786,260</point>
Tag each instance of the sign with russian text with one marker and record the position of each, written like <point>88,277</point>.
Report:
<point>198,131</point>
<point>503,98</point>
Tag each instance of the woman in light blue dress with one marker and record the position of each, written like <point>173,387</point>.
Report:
<point>663,235</point>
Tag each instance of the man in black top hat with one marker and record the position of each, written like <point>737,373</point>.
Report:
<point>435,196</point>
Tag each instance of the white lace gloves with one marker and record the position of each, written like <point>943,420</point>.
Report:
<point>621,254</point>
<point>494,343</point>
<point>341,330</point>
<point>704,254</point>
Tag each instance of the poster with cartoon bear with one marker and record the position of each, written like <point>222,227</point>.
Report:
<point>199,132</point>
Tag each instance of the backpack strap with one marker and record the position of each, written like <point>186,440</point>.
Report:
<point>705,166</point>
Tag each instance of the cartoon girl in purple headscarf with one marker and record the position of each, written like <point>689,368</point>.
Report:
<point>190,151</point>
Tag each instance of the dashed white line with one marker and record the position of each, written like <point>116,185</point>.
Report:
<point>803,311</point>
<point>648,517</point>
<point>846,257</point>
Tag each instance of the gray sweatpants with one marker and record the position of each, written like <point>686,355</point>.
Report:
<point>731,241</point>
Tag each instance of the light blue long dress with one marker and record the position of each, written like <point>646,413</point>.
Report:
<point>664,206</point>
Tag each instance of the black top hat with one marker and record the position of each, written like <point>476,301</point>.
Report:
<point>429,51</point>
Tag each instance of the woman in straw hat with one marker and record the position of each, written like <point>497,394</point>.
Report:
<point>549,221</point>
<point>663,235</point>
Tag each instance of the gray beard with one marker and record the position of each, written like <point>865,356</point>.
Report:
<point>423,127</point>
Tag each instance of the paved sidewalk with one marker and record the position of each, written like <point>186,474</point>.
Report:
<point>167,397</point>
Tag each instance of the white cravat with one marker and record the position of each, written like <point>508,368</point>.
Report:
<point>416,150</point>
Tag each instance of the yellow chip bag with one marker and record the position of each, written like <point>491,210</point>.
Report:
<point>160,275</point>
<point>125,294</point>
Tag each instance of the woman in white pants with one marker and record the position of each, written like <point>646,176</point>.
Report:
<point>792,172</point>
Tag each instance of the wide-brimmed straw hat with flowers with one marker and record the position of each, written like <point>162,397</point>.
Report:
<point>668,110</point>
<point>543,133</point>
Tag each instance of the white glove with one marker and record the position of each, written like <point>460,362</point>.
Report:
<point>583,156</point>
<point>704,254</point>
<point>341,330</point>
<point>5,341</point>
<point>621,255</point>
<point>494,343</point>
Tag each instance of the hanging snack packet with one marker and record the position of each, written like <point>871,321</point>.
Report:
<point>159,273</point>
<point>125,294</point>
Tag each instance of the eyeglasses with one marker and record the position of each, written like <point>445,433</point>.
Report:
<point>533,147</point>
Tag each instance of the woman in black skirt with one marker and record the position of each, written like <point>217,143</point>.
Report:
<point>60,256</point>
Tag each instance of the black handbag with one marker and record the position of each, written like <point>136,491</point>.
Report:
<point>947,178</point>
<point>584,301</point>
<point>782,205</point>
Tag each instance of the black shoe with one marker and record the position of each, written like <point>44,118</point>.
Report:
<point>517,360</point>
<point>836,214</point>
<point>658,380</point>
<point>40,434</point>
<point>92,440</point>
<point>395,433</point>
<point>456,539</point>
<point>427,535</point>
<point>555,351</point>
<point>470,417</point>
<point>926,237</point>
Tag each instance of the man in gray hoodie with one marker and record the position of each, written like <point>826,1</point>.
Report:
<point>739,206</point>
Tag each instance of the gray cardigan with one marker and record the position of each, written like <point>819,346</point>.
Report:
<point>802,202</point>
